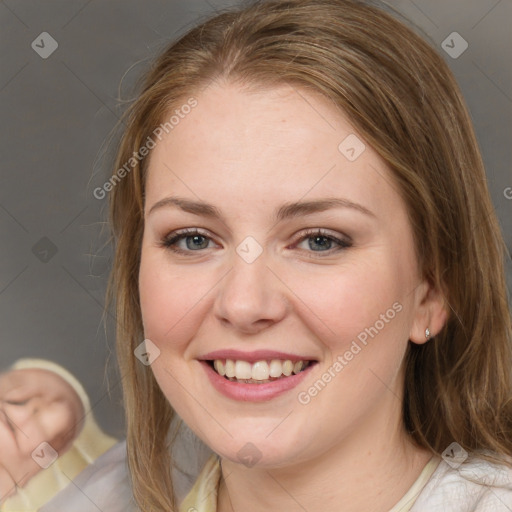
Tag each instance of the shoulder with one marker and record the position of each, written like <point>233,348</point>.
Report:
<point>476,485</point>
<point>103,485</point>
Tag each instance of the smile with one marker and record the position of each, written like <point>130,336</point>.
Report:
<point>259,372</point>
<point>257,376</point>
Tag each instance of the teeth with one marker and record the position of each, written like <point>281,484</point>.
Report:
<point>287,367</point>
<point>258,372</point>
<point>276,368</point>
<point>297,367</point>
<point>230,368</point>
<point>219,367</point>
<point>243,370</point>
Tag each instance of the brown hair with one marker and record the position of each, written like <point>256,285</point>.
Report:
<point>402,98</point>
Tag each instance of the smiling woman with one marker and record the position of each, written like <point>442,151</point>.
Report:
<point>327,176</point>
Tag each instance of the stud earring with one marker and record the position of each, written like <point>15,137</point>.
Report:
<point>427,333</point>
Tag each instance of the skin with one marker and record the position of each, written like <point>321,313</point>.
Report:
<point>36,406</point>
<point>248,153</point>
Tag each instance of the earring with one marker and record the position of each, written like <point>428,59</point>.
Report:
<point>427,333</point>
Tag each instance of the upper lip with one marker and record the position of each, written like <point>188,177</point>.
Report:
<point>252,357</point>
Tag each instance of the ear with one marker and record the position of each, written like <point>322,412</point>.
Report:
<point>430,312</point>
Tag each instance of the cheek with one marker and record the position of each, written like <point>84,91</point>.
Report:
<point>339,306</point>
<point>364,332</point>
<point>172,299</point>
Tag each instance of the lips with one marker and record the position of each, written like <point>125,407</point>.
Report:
<point>255,376</point>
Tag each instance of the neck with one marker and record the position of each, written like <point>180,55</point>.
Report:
<point>368,470</point>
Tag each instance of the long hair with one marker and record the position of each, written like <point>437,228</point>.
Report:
<point>404,101</point>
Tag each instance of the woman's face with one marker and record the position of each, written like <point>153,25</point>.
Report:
<point>258,284</point>
<point>36,406</point>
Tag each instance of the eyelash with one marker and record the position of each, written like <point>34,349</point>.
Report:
<point>169,242</point>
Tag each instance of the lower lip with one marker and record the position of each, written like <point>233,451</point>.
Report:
<point>254,392</point>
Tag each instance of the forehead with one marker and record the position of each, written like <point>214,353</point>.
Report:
<point>265,144</point>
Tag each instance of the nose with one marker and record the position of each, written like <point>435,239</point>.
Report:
<point>250,297</point>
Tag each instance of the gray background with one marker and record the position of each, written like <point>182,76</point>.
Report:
<point>58,114</point>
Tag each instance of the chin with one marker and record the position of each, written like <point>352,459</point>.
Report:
<point>260,452</point>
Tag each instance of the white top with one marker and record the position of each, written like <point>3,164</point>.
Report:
<point>474,486</point>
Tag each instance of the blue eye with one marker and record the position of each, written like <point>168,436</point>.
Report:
<point>194,240</point>
<point>319,241</point>
<point>326,241</point>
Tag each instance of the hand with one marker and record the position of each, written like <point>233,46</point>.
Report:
<point>35,406</point>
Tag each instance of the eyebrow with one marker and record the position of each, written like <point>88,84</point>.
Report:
<point>286,211</point>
